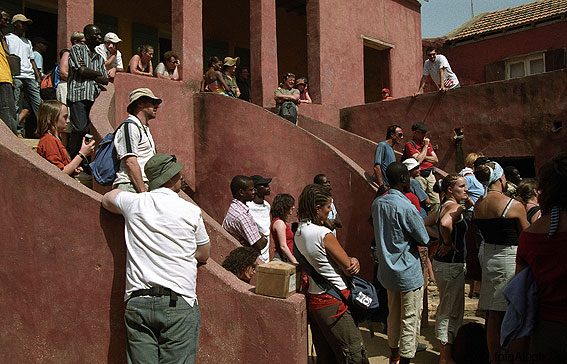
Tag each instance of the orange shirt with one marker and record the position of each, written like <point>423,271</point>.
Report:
<point>5,74</point>
<point>51,148</point>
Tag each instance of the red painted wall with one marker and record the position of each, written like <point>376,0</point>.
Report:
<point>468,61</point>
<point>500,119</point>
<point>250,140</point>
<point>339,46</point>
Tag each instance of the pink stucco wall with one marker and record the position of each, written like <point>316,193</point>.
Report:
<point>335,51</point>
<point>501,119</point>
<point>249,140</point>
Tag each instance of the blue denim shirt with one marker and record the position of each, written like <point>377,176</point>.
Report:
<point>397,228</point>
<point>384,156</point>
<point>476,189</point>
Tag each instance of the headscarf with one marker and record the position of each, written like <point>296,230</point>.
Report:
<point>495,174</point>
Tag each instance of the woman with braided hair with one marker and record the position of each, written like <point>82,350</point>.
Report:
<point>335,335</point>
<point>500,220</point>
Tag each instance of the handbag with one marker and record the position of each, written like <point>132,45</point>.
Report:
<point>14,63</point>
<point>363,299</point>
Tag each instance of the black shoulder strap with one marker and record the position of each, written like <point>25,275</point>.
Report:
<point>321,281</point>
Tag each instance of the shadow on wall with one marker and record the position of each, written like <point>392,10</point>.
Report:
<point>513,118</point>
<point>235,137</point>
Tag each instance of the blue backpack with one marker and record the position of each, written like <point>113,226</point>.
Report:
<point>105,163</point>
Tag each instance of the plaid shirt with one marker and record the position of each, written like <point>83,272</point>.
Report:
<point>80,88</point>
<point>239,223</point>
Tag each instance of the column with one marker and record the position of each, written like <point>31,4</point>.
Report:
<point>72,16</point>
<point>263,52</point>
<point>314,49</point>
<point>187,39</point>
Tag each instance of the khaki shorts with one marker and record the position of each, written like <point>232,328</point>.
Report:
<point>450,279</point>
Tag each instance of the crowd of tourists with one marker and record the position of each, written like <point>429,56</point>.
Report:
<point>484,223</point>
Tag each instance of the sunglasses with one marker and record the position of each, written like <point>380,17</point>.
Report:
<point>431,55</point>
<point>400,134</point>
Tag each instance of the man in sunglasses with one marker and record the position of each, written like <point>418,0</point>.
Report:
<point>385,155</point>
<point>133,141</point>
<point>437,66</point>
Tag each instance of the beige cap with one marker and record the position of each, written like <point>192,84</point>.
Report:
<point>112,38</point>
<point>229,61</point>
<point>21,17</point>
<point>142,92</point>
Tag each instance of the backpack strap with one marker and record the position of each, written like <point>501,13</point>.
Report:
<point>321,281</point>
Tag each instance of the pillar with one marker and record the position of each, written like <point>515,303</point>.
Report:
<point>314,49</point>
<point>72,16</point>
<point>263,52</point>
<point>187,39</point>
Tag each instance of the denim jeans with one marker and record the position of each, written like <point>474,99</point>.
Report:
<point>161,334</point>
<point>8,106</point>
<point>30,89</point>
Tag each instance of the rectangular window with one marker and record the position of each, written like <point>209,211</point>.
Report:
<point>527,65</point>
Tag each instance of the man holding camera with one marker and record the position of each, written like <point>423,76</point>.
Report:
<point>419,147</point>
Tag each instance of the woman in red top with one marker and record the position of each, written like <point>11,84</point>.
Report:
<point>282,208</point>
<point>52,117</point>
<point>542,248</point>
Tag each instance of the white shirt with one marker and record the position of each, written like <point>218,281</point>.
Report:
<point>261,215</point>
<point>21,47</point>
<point>432,69</point>
<point>105,53</point>
<point>309,240</point>
<point>333,215</point>
<point>162,232</point>
<point>133,140</point>
<point>38,59</point>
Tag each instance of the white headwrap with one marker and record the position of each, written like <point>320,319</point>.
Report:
<point>495,174</point>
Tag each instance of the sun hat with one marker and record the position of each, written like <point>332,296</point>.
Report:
<point>411,163</point>
<point>22,18</point>
<point>161,168</point>
<point>142,92</point>
<point>299,81</point>
<point>229,61</point>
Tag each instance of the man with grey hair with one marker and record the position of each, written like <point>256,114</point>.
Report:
<point>166,240</point>
<point>133,141</point>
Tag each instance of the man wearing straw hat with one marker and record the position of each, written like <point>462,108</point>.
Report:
<point>133,141</point>
<point>165,240</point>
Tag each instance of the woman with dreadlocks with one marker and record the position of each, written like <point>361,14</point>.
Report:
<point>335,335</point>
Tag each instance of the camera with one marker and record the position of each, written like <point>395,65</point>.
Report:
<point>88,138</point>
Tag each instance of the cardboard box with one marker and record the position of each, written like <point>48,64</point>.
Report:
<point>277,279</point>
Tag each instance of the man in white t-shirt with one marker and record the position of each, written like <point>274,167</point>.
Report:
<point>165,241</point>
<point>111,55</point>
<point>437,66</point>
<point>260,211</point>
<point>134,143</point>
<point>28,80</point>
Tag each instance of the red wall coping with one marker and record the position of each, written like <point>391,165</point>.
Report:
<point>501,119</point>
<point>64,269</point>
<point>250,140</point>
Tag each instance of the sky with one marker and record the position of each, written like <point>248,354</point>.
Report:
<point>439,17</point>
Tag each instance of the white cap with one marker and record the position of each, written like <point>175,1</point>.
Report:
<point>112,38</point>
<point>410,163</point>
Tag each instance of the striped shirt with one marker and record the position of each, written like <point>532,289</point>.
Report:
<point>80,88</point>
<point>239,223</point>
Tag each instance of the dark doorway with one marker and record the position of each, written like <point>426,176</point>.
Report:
<point>376,72</point>
<point>525,165</point>
<point>45,26</point>
<point>291,29</point>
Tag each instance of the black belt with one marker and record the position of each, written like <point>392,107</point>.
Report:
<point>425,172</point>
<point>157,292</point>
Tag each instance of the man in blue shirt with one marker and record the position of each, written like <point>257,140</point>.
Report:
<point>385,155</point>
<point>398,230</point>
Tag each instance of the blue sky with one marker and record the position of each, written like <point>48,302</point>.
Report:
<point>438,17</point>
